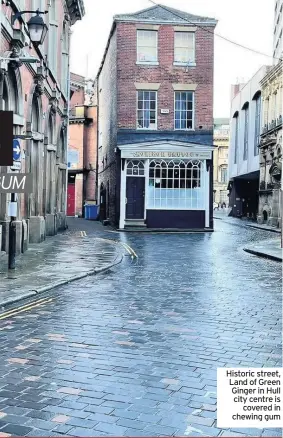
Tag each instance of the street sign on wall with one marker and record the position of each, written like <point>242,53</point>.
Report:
<point>17,165</point>
<point>6,138</point>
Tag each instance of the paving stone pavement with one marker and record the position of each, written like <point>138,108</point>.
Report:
<point>57,260</point>
<point>134,352</point>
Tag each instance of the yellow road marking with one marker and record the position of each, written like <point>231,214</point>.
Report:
<point>129,249</point>
<point>23,307</point>
<point>14,312</point>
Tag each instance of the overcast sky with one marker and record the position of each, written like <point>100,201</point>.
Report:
<point>248,22</point>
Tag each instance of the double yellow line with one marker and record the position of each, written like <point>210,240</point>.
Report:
<point>13,312</point>
<point>129,250</point>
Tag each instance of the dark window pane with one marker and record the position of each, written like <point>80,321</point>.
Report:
<point>152,95</point>
<point>177,96</point>
<point>183,96</point>
<point>140,104</point>
<point>189,124</point>
<point>146,95</point>
<point>189,105</point>
<point>152,105</point>
<point>177,124</point>
<point>152,116</point>
<point>140,95</point>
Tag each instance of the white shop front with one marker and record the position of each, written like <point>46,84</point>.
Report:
<point>166,185</point>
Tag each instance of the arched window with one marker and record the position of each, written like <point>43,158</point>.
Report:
<point>13,91</point>
<point>176,184</point>
<point>35,115</point>
<point>257,100</point>
<point>236,128</point>
<point>50,130</point>
<point>246,131</point>
<point>5,97</point>
<point>135,168</point>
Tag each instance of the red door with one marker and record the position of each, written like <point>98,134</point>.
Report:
<point>71,206</point>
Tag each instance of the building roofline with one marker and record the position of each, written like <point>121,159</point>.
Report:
<point>76,10</point>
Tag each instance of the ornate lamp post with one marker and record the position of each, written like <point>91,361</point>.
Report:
<point>36,26</point>
<point>37,33</point>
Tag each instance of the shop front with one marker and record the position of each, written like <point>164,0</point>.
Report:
<point>166,185</point>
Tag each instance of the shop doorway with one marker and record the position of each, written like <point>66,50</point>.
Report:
<point>135,197</point>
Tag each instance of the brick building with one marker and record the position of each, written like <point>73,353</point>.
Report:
<point>38,95</point>
<point>155,98</point>
<point>82,152</point>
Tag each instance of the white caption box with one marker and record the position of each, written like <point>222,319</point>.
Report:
<point>249,397</point>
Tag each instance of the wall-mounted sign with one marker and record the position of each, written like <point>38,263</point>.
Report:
<point>16,183</point>
<point>73,159</point>
<point>157,154</point>
<point>164,111</point>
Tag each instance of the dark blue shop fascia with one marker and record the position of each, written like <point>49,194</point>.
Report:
<point>131,136</point>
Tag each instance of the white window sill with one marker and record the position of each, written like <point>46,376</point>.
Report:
<point>146,129</point>
<point>184,64</point>
<point>184,130</point>
<point>147,63</point>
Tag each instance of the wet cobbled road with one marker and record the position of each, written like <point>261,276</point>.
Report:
<point>134,352</point>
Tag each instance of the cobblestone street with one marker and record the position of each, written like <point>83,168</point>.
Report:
<point>135,351</point>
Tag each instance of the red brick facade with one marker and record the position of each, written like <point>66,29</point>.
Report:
<point>83,140</point>
<point>166,74</point>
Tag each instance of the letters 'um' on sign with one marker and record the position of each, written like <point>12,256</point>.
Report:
<point>6,138</point>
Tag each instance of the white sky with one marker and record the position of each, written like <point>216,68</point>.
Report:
<point>249,22</point>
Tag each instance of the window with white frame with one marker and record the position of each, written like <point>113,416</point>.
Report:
<point>184,48</point>
<point>246,132</point>
<point>135,168</point>
<point>236,145</point>
<point>257,124</point>
<point>147,110</point>
<point>147,46</point>
<point>184,110</point>
<point>176,184</point>
<point>223,174</point>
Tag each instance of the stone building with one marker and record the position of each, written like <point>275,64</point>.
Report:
<point>155,99</point>
<point>38,94</point>
<point>270,202</point>
<point>82,152</point>
<point>220,161</point>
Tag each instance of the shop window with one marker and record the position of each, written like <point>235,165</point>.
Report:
<point>135,168</point>
<point>176,185</point>
<point>146,112</point>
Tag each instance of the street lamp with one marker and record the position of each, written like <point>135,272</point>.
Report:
<point>36,26</point>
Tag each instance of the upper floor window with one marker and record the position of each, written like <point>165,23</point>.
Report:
<point>246,133</point>
<point>147,110</point>
<point>257,123</point>
<point>184,48</point>
<point>236,122</point>
<point>223,174</point>
<point>184,110</point>
<point>147,46</point>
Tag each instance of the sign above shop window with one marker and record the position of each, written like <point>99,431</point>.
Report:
<point>166,154</point>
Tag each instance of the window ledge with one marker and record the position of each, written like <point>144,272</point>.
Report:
<point>146,63</point>
<point>184,64</point>
<point>184,130</point>
<point>146,129</point>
